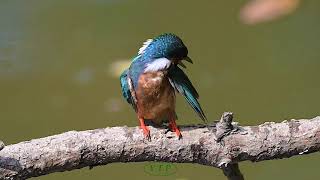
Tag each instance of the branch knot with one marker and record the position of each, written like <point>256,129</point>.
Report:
<point>224,126</point>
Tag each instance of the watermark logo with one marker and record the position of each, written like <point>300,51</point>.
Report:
<point>160,169</point>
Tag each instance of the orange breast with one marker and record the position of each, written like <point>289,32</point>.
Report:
<point>155,97</point>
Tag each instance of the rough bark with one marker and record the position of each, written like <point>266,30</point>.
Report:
<point>74,150</point>
<point>223,128</point>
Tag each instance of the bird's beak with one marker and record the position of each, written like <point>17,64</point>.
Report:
<point>189,60</point>
<point>181,64</point>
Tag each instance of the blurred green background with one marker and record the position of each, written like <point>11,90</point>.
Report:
<point>60,61</point>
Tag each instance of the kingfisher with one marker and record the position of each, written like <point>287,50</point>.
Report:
<point>150,83</point>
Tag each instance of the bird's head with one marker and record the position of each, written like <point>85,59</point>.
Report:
<point>163,51</point>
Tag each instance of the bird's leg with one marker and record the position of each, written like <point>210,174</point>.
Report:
<point>173,127</point>
<point>145,129</point>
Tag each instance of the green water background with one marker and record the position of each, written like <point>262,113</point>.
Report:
<point>55,60</point>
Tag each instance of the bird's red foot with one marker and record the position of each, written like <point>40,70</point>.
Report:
<point>146,131</point>
<point>174,128</point>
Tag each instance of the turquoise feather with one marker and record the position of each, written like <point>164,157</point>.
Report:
<point>126,90</point>
<point>182,84</point>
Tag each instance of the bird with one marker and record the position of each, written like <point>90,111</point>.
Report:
<point>154,76</point>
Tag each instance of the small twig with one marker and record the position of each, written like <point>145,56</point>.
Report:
<point>232,171</point>
<point>1,145</point>
<point>224,128</point>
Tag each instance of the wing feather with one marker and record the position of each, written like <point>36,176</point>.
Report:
<point>183,85</point>
<point>126,87</point>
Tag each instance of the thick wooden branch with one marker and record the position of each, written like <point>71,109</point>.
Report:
<point>74,150</point>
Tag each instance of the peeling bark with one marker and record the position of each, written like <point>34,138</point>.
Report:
<point>74,150</point>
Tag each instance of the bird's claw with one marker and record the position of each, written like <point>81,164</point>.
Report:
<point>147,136</point>
<point>175,129</point>
<point>146,133</point>
<point>178,134</point>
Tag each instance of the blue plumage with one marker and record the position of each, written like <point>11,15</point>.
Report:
<point>136,68</point>
<point>165,45</point>
<point>183,85</point>
<point>126,89</point>
<point>149,84</point>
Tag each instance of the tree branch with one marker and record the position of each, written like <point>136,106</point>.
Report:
<point>223,128</point>
<point>74,150</point>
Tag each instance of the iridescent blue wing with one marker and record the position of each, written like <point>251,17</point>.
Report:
<point>182,84</point>
<point>125,87</point>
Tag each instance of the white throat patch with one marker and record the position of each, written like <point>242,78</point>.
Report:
<point>158,65</point>
<point>144,46</point>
